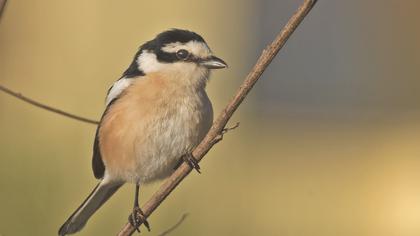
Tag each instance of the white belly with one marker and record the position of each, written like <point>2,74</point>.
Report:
<point>177,129</point>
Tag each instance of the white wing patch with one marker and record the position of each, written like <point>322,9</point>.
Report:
<point>117,88</point>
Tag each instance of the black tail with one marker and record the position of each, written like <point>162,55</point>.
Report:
<point>100,194</point>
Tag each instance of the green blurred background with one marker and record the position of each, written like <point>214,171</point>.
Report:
<point>329,138</point>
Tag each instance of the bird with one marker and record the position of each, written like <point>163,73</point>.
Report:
<point>155,115</point>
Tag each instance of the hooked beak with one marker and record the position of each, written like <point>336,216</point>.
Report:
<point>213,62</point>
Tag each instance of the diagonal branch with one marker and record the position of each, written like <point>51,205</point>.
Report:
<point>218,126</point>
<point>48,108</point>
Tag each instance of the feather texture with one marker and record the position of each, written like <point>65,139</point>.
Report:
<point>100,194</point>
<point>157,120</point>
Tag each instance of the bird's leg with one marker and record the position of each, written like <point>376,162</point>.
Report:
<point>190,160</point>
<point>137,215</point>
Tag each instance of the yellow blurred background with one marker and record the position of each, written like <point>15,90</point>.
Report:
<point>329,138</point>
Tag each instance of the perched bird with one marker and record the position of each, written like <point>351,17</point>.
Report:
<point>156,113</point>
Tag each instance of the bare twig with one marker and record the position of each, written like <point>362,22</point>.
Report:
<point>35,103</point>
<point>48,108</point>
<point>227,129</point>
<point>219,137</point>
<point>174,227</point>
<point>2,7</point>
<point>184,169</point>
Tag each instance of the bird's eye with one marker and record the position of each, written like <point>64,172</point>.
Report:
<point>182,54</point>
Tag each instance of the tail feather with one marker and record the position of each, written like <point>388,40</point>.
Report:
<point>100,194</point>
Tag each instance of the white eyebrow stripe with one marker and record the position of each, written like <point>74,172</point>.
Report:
<point>117,88</point>
<point>173,47</point>
<point>199,49</point>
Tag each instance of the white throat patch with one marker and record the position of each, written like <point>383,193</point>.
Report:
<point>148,62</point>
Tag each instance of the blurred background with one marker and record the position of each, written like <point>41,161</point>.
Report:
<point>329,138</point>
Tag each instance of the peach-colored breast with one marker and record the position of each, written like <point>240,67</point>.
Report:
<point>148,128</point>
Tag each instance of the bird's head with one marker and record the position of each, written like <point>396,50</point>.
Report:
<point>176,51</point>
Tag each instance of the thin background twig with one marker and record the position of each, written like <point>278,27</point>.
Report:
<point>31,101</point>
<point>216,131</point>
<point>175,226</point>
<point>2,7</point>
<point>48,108</point>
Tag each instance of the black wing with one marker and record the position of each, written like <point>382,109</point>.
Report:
<point>98,166</point>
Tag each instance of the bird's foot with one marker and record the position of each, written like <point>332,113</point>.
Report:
<point>191,161</point>
<point>137,217</point>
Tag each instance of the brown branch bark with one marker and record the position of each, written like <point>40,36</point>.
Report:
<point>48,108</point>
<point>218,126</point>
